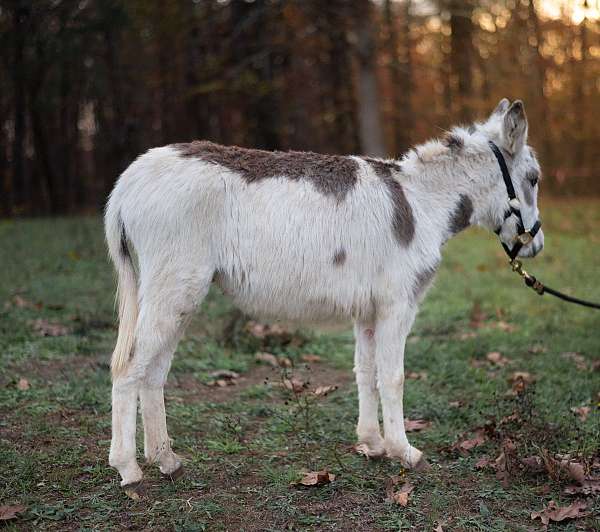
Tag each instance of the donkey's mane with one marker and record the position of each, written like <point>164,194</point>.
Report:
<point>460,144</point>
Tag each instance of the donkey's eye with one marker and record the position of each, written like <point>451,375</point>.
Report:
<point>534,181</point>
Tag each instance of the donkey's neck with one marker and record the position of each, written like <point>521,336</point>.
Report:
<point>449,184</point>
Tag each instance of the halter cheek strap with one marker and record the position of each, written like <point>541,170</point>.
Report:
<point>523,237</point>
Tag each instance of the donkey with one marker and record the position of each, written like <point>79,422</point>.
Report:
<point>299,236</point>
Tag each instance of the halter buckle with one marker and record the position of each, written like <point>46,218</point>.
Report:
<point>525,238</point>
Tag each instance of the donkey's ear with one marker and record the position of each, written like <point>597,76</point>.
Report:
<point>514,127</point>
<point>501,107</point>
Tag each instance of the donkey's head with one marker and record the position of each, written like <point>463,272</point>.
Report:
<point>507,129</point>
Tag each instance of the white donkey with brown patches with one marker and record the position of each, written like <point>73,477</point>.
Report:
<point>298,236</point>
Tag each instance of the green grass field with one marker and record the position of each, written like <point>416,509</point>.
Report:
<point>245,444</point>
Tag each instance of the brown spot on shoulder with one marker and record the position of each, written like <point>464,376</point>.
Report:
<point>454,142</point>
<point>340,257</point>
<point>331,175</point>
<point>422,281</point>
<point>460,217</point>
<point>403,223</point>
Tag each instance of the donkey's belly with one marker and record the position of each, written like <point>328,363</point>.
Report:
<point>294,298</point>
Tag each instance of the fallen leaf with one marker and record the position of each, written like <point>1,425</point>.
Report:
<point>47,328</point>
<point>455,404</point>
<point>401,497</point>
<point>315,478</point>
<point>533,464</point>
<point>294,385</point>
<point>535,349</point>
<point>585,487</point>
<point>505,462</point>
<point>415,425</point>
<point>221,383</point>
<point>10,511</point>
<point>483,462</point>
<point>267,358</point>
<point>438,529</point>
<point>505,326</point>
<point>519,381</point>
<point>417,375</point>
<point>310,358</point>
<point>467,335</point>
<point>555,513</point>
<point>225,374</point>
<point>324,390</point>
<point>23,384</point>
<point>582,411</point>
<point>577,358</point>
<point>495,357</point>
<point>477,316</point>
<point>465,446</point>
<point>284,362</point>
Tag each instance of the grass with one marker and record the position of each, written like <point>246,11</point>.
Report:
<point>245,444</point>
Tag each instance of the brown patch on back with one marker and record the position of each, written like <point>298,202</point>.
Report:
<point>403,224</point>
<point>331,175</point>
<point>461,216</point>
<point>340,257</point>
<point>454,142</point>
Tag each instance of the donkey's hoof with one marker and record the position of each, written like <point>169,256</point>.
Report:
<point>370,449</point>
<point>177,474</point>
<point>133,490</point>
<point>410,458</point>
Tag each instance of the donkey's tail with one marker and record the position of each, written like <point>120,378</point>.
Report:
<point>127,289</point>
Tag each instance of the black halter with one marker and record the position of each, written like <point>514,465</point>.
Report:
<point>523,237</point>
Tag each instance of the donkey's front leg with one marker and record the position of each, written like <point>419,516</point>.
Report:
<point>392,327</point>
<point>370,441</point>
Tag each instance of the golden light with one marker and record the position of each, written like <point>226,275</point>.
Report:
<point>576,10</point>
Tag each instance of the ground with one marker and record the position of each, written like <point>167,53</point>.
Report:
<point>245,444</point>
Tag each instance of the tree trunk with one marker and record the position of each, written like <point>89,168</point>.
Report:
<point>370,129</point>
<point>21,15</point>
<point>401,76</point>
<point>461,44</point>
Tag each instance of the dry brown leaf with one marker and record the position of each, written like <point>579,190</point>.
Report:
<point>225,374</point>
<point>401,497</point>
<point>483,462</point>
<point>505,461</point>
<point>310,358</point>
<point>10,511</point>
<point>477,316</point>
<point>417,375</point>
<point>465,446</point>
<point>582,411</point>
<point>324,390</point>
<point>533,464</point>
<point>47,328</point>
<point>415,425</point>
<point>556,513</point>
<point>505,326</point>
<point>520,380</point>
<point>438,529</point>
<point>221,383</point>
<point>455,404</point>
<point>585,487</point>
<point>267,358</point>
<point>467,335</point>
<point>315,478</point>
<point>294,385</point>
<point>577,358</point>
<point>536,349</point>
<point>284,362</point>
<point>23,384</point>
<point>496,358</point>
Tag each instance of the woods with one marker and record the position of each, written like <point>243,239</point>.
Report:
<point>87,86</point>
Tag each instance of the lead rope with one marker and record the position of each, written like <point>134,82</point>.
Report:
<point>541,289</point>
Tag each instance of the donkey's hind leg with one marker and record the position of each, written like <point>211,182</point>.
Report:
<point>170,316</point>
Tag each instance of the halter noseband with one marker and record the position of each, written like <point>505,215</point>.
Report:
<point>523,237</point>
